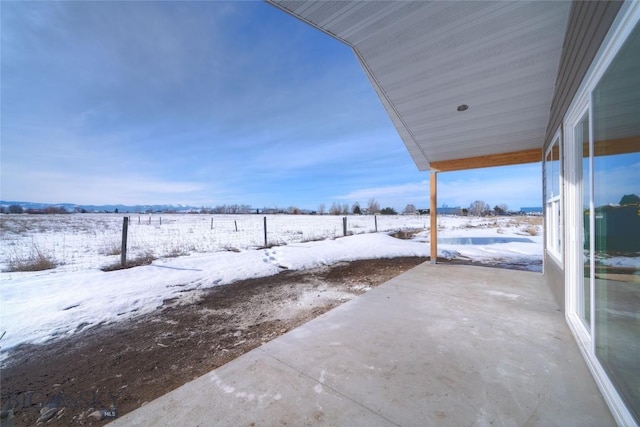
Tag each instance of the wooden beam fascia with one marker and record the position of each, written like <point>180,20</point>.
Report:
<point>611,147</point>
<point>502,159</point>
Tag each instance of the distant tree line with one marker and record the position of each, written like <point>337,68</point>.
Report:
<point>49,210</point>
<point>372,208</point>
<point>477,208</point>
<point>228,209</point>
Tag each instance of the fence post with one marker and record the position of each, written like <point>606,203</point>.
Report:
<point>235,222</point>
<point>265,231</point>
<point>375,220</point>
<point>344,226</point>
<point>123,252</point>
<point>212,223</point>
<point>160,220</point>
<point>149,219</point>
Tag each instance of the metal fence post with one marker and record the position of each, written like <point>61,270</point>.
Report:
<point>123,252</point>
<point>265,231</point>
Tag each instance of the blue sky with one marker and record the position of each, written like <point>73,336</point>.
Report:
<point>205,103</point>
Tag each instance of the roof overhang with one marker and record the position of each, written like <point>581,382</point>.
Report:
<point>427,58</point>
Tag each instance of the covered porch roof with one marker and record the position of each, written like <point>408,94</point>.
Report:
<point>429,59</point>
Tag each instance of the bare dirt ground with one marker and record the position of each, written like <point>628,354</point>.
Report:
<point>111,370</point>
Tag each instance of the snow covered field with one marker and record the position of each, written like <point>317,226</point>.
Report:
<point>87,241</point>
<point>193,254</point>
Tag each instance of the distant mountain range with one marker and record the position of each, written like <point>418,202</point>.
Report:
<point>72,207</point>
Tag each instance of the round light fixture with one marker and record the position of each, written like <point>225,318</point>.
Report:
<point>463,107</point>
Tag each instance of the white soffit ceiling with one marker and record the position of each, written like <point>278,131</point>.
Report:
<point>426,58</point>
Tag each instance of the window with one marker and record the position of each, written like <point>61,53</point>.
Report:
<point>552,197</point>
<point>615,227</point>
<point>582,141</point>
<point>602,157</point>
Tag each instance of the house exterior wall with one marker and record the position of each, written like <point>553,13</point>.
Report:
<point>554,275</point>
<point>594,120</point>
<point>588,25</point>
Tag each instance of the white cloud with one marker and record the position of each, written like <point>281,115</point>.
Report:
<point>412,190</point>
<point>515,191</point>
<point>515,187</point>
<point>63,187</point>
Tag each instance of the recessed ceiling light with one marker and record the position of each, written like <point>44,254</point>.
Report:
<point>463,107</point>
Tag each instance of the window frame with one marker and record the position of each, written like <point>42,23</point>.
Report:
<point>620,30</point>
<point>553,203</point>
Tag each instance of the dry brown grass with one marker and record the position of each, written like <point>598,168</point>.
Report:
<point>36,260</point>
<point>527,220</point>
<point>11,225</point>
<point>141,260</point>
<point>313,239</point>
<point>406,234</point>
<point>114,249</point>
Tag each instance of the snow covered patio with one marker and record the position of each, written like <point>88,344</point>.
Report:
<point>437,345</point>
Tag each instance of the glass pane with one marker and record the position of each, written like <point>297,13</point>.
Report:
<point>548,193</point>
<point>552,171</point>
<point>555,168</point>
<point>558,226</point>
<point>552,166</point>
<point>584,287</point>
<point>616,167</point>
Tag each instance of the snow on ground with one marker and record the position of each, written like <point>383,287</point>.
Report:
<point>619,261</point>
<point>85,241</point>
<point>489,240</point>
<point>40,306</point>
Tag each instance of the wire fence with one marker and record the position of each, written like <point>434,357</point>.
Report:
<point>85,241</point>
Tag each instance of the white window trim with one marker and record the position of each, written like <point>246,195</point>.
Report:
<point>573,237</point>
<point>621,28</point>
<point>554,228</point>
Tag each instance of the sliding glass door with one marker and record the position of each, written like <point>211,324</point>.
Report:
<point>604,277</point>
<point>615,106</point>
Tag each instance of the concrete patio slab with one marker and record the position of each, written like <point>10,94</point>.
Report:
<point>437,345</point>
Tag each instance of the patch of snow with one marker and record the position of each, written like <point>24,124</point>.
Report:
<point>503,294</point>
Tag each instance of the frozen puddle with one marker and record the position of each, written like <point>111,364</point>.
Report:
<point>482,240</point>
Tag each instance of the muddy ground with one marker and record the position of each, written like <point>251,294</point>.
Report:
<point>108,371</point>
